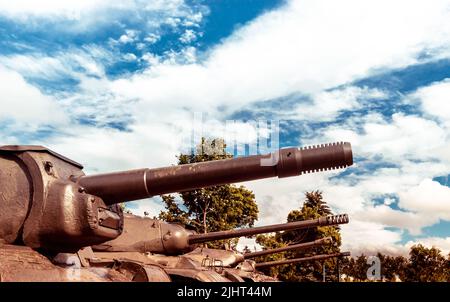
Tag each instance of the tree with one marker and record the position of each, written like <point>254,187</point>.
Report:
<point>392,267</point>
<point>426,265</point>
<point>214,208</point>
<point>348,268</point>
<point>271,242</point>
<point>447,268</point>
<point>313,207</point>
<point>361,267</point>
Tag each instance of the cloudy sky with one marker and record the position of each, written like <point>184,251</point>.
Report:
<point>116,86</point>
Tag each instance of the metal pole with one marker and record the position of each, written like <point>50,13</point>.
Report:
<point>338,269</point>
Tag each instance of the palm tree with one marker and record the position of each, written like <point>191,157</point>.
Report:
<point>314,200</point>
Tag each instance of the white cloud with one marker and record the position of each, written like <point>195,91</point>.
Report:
<point>429,197</point>
<point>434,100</point>
<point>129,57</point>
<point>326,105</point>
<point>66,9</point>
<point>369,238</point>
<point>188,36</point>
<point>75,63</point>
<point>129,36</point>
<point>152,38</point>
<point>151,206</point>
<point>23,105</point>
<point>441,243</point>
<point>406,136</point>
<point>409,143</point>
<point>389,217</point>
<point>87,15</point>
<point>294,50</point>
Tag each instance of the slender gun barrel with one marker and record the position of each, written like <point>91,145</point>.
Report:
<point>149,235</point>
<point>138,184</point>
<point>298,260</point>
<point>296,225</point>
<point>300,246</point>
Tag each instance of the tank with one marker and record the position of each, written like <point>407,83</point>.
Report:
<point>51,209</point>
<point>176,248</point>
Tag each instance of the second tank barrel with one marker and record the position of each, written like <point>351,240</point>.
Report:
<point>296,225</point>
<point>298,260</point>
<point>299,246</point>
<point>142,183</point>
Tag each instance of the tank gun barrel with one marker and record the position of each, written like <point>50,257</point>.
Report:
<point>143,183</point>
<point>298,260</point>
<point>149,235</point>
<point>296,225</point>
<point>300,246</point>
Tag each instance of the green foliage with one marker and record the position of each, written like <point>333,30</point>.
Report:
<point>124,208</point>
<point>426,265</point>
<point>392,267</point>
<point>271,242</point>
<point>313,207</point>
<point>214,208</point>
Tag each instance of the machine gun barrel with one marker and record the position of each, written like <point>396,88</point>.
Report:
<point>298,260</point>
<point>142,183</point>
<point>300,246</point>
<point>296,225</point>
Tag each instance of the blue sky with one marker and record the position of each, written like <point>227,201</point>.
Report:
<point>116,86</point>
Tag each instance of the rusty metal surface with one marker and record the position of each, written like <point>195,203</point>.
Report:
<point>23,148</point>
<point>15,197</point>
<point>19,263</point>
<point>232,276</point>
<point>142,234</point>
<point>142,183</point>
<point>180,274</point>
<point>43,208</point>
<point>299,246</point>
<point>247,276</point>
<point>22,264</point>
<point>298,260</point>
<point>228,258</point>
<point>139,272</point>
<point>322,221</point>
